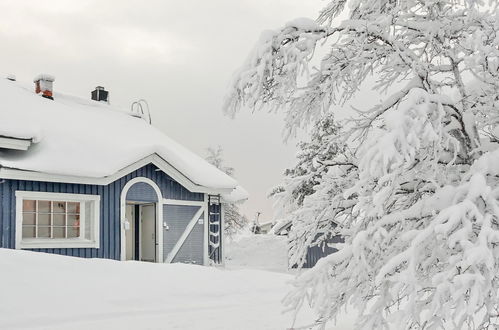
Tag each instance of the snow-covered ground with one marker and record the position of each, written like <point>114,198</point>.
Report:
<point>43,291</point>
<point>266,252</point>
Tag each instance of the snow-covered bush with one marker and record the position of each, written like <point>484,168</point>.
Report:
<point>412,183</point>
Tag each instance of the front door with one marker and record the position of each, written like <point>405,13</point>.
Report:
<point>148,232</point>
<point>130,233</point>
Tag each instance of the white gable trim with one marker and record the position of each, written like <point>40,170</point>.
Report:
<point>14,144</point>
<point>16,174</point>
<point>206,257</point>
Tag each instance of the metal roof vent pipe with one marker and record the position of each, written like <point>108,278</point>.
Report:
<point>44,85</point>
<point>100,94</point>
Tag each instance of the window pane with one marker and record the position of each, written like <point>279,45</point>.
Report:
<point>48,220</point>
<point>59,219</point>
<point>44,219</point>
<point>29,205</point>
<point>43,231</point>
<point>73,220</point>
<point>44,206</point>
<point>74,208</point>
<point>73,232</point>
<point>29,231</point>
<point>59,207</point>
<point>29,218</point>
<point>59,232</point>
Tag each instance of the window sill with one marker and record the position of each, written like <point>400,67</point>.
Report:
<point>57,243</point>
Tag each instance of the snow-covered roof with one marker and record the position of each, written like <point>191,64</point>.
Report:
<point>282,227</point>
<point>84,138</point>
<point>238,195</point>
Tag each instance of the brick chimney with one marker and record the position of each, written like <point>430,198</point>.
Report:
<point>44,85</point>
<point>100,94</point>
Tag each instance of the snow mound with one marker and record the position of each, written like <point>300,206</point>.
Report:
<point>44,291</point>
<point>266,252</point>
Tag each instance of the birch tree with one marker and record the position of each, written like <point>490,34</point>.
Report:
<point>234,220</point>
<point>416,199</point>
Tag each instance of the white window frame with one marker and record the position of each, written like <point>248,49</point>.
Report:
<point>81,242</point>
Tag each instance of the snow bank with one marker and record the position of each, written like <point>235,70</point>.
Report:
<point>43,291</point>
<point>87,138</point>
<point>266,252</point>
<point>46,291</point>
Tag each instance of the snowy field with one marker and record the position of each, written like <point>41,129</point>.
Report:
<point>265,252</point>
<point>43,291</point>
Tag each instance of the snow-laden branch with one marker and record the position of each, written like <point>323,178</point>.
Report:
<point>410,184</point>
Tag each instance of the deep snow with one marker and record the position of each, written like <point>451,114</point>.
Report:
<point>44,291</point>
<point>265,252</point>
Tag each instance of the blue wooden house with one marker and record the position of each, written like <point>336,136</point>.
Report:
<point>81,178</point>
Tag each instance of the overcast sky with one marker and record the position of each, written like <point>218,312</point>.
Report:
<point>178,55</point>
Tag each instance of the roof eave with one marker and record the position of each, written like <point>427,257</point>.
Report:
<point>19,174</point>
<point>14,143</point>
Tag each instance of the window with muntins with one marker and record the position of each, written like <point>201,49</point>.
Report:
<point>56,220</point>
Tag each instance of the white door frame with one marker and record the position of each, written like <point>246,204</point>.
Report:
<point>141,223</point>
<point>159,217</point>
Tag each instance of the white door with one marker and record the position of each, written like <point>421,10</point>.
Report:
<point>148,232</point>
<point>130,232</point>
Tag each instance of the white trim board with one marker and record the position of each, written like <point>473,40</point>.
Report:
<point>14,144</point>
<point>183,202</point>
<point>155,159</point>
<point>206,258</point>
<point>185,234</point>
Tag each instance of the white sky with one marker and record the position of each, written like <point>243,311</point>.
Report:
<point>178,55</point>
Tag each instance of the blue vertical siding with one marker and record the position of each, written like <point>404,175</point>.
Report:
<point>109,208</point>
<point>317,252</point>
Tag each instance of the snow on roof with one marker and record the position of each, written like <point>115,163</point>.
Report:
<point>44,76</point>
<point>14,129</point>
<point>281,227</point>
<point>239,194</point>
<point>85,138</point>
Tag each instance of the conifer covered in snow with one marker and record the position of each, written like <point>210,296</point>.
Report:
<point>234,220</point>
<point>411,183</point>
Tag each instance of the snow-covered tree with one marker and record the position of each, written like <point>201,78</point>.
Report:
<point>234,220</point>
<point>324,156</point>
<point>313,159</point>
<point>417,199</point>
